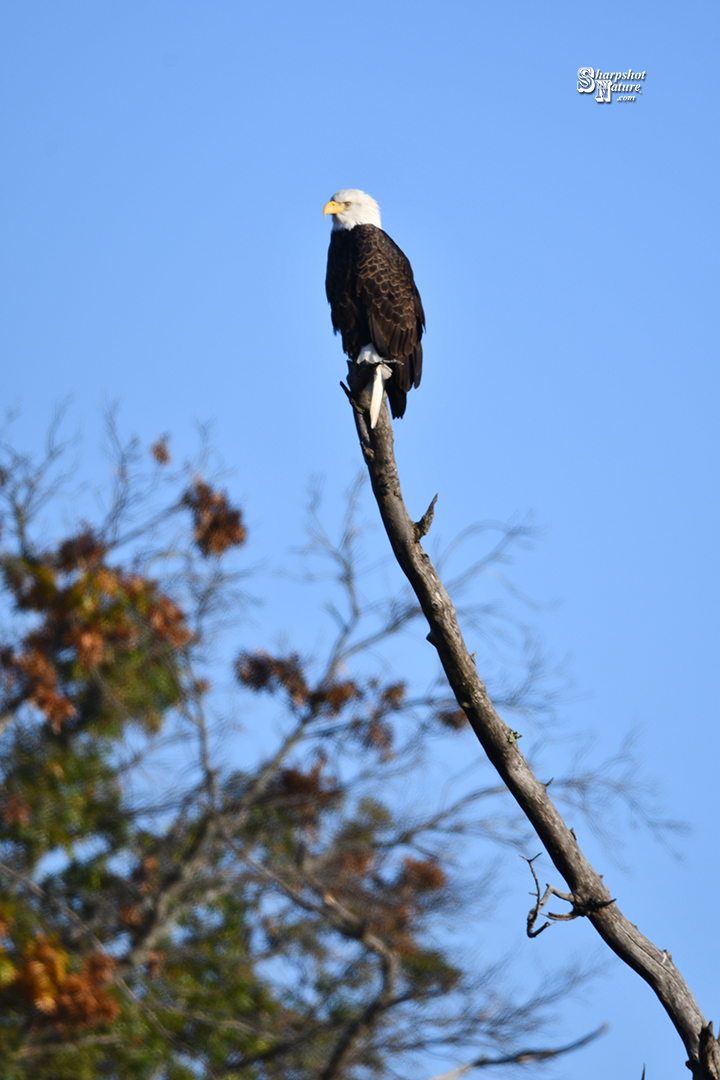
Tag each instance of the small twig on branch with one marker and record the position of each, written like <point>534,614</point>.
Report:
<point>541,902</point>
<point>535,911</point>
<point>422,527</point>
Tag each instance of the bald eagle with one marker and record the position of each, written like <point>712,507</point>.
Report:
<point>374,301</point>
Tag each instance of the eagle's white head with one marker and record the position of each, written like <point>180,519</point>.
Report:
<point>351,207</point>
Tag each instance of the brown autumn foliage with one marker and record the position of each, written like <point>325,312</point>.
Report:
<point>91,615</point>
<point>66,1000</point>
<point>160,450</point>
<point>258,671</point>
<point>423,875</point>
<point>41,685</point>
<point>218,526</point>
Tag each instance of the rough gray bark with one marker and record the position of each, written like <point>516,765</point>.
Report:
<point>588,894</point>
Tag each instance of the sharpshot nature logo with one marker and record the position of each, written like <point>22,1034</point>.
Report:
<point>626,84</point>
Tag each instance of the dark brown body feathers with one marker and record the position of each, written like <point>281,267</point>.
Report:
<point>374,299</point>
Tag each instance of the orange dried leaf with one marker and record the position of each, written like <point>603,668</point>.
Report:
<point>83,551</point>
<point>16,810</point>
<point>394,695</point>
<point>258,671</point>
<point>455,719</point>
<point>160,451</point>
<point>90,648</point>
<point>424,875</point>
<point>217,525</point>
<point>42,688</point>
<point>336,696</point>
<point>378,735</point>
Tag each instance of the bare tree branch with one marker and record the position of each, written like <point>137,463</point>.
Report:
<point>522,1057</point>
<point>590,897</point>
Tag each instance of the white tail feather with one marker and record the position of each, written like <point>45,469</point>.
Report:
<point>382,372</point>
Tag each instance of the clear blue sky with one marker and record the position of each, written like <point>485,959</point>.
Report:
<point>165,168</point>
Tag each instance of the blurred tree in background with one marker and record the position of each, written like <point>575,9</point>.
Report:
<point>176,903</point>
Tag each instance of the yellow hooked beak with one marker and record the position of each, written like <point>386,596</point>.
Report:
<point>332,207</point>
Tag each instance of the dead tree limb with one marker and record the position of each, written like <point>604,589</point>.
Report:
<point>521,1057</point>
<point>590,897</point>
